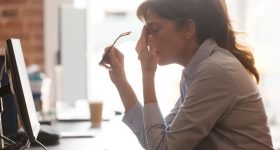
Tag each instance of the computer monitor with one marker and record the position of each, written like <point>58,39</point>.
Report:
<point>20,88</point>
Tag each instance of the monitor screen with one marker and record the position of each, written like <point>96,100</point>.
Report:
<point>20,88</point>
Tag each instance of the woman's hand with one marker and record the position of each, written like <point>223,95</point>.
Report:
<point>116,60</point>
<point>118,77</point>
<point>146,53</point>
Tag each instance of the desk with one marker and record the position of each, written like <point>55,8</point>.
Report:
<point>113,135</point>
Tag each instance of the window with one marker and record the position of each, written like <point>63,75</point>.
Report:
<point>259,19</point>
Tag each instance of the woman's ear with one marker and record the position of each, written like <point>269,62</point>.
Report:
<point>189,28</point>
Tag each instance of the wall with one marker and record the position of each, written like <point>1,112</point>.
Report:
<point>51,43</point>
<point>23,19</point>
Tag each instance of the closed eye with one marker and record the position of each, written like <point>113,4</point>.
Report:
<point>154,30</point>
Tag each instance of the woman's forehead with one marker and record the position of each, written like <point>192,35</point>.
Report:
<point>152,18</point>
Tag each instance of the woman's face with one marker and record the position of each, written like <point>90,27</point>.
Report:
<point>169,41</point>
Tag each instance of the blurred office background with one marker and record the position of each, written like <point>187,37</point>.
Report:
<point>66,38</point>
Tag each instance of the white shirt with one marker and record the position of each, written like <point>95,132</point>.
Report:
<point>220,108</point>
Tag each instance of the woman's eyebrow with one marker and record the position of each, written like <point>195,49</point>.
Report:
<point>150,24</point>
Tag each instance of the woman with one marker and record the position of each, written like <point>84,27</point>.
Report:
<point>220,107</point>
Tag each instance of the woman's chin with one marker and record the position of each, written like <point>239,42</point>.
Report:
<point>161,63</point>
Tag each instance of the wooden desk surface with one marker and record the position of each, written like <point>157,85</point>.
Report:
<point>113,135</point>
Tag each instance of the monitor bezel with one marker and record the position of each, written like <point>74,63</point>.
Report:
<point>31,127</point>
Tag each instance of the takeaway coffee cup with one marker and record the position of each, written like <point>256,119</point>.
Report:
<point>96,113</point>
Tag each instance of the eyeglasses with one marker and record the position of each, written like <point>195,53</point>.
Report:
<point>104,61</point>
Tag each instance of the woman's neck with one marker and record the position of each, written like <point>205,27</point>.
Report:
<point>187,53</point>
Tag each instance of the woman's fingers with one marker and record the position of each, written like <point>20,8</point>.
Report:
<point>151,44</point>
<point>144,34</point>
<point>142,42</point>
<point>112,56</point>
<point>107,49</point>
<point>148,50</point>
<point>116,57</point>
<point>119,55</point>
<point>105,55</point>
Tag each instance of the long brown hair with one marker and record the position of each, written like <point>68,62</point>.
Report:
<point>211,19</point>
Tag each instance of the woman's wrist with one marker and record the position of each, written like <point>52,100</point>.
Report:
<point>127,94</point>
<point>149,88</point>
<point>148,75</point>
<point>121,83</point>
